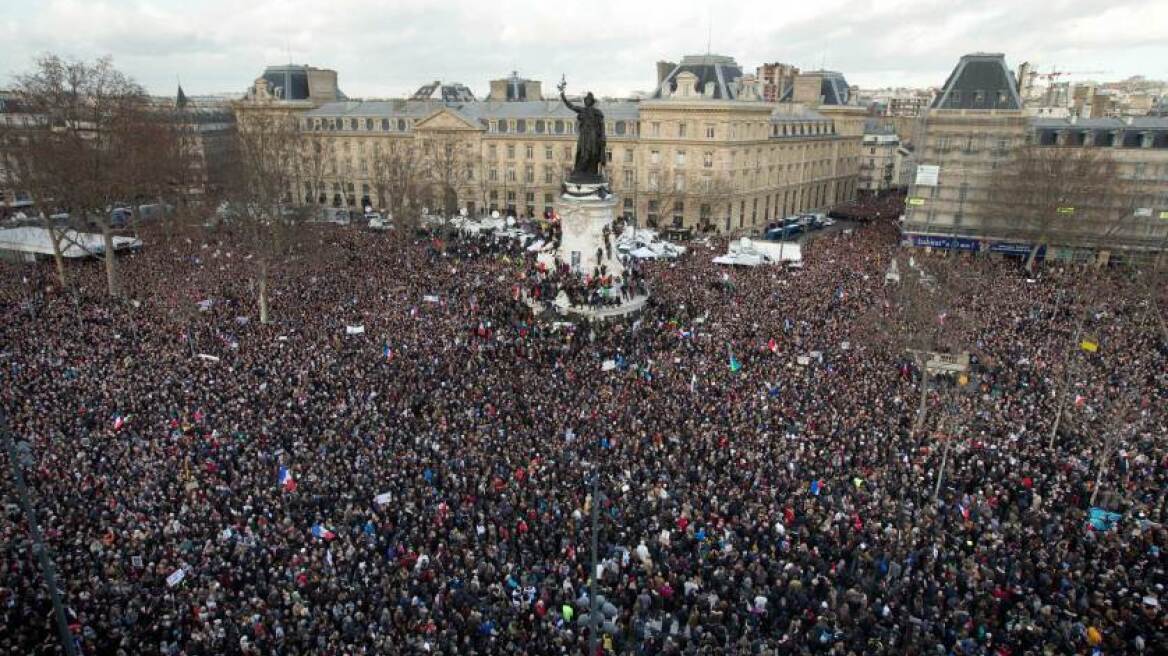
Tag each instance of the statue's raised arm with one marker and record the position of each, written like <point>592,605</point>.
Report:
<point>568,103</point>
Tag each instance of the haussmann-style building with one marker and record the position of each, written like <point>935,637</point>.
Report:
<point>977,127</point>
<point>704,153</point>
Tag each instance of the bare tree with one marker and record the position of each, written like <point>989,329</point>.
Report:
<point>666,193</point>
<point>921,316</point>
<point>448,165</point>
<point>1048,194</point>
<point>168,175</point>
<point>395,174</point>
<point>712,196</point>
<point>93,141</point>
<point>315,162</point>
<point>262,196</point>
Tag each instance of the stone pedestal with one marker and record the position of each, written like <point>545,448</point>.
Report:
<point>585,210</point>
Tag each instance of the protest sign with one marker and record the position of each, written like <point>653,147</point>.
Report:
<point>355,330</point>
<point>176,577</point>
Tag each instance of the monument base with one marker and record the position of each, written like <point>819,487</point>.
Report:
<point>587,243</point>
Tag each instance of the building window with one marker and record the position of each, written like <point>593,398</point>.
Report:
<point>521,126</point>
<point>655,129</point>
<point>494,194</point>
<point>628,178</point>
<point>708,159</point>
<point>529,174</point>
<point>679,159</point>
<point>539,126</point>
<point>548,174</point>
<point>559,127</point>
<point>628,155</point>
<point>492,151</point>
<point>620,128</point>
<point>654,157</point>
<point>510,174</point>
<point>502,127</point>
<point>530,197</point>
<point>547,199</point>
<point>709,130</point>
<point>678,214</point>
<point>653,181</point>
<point>679,183</point>
<point>681,130</point>
<point>530,151</point>
<point>608,157</point>
<point>368,124</point>
<point>401,125</point>
<point>510,151</point>
<point>547,153</point>
<point>352,124</point>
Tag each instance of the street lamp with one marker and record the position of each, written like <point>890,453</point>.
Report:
<point>19,456</point>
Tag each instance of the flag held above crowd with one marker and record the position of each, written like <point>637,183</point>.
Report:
<point>285,480</point>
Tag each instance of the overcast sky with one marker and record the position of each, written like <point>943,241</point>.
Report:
<point>389,48</point>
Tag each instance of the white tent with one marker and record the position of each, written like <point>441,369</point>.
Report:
<point>37,241</point>
<point>740,259</point>
<point>765,252</point>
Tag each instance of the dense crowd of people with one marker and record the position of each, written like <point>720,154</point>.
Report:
<point>871,207</point>
<point>402,460</point>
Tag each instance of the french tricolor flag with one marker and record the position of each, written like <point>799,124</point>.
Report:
<point>319,531</point>
<point>284,478</point>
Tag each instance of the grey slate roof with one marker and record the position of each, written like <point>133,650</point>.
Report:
<point>833,88</point>
<point>292,81</point>
<point>1137,123</point>
<point>798,116</point>
<point>618,111</point>
<point>719,69</point>
<point>980,81</point>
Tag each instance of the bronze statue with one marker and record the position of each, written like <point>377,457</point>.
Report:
<point>590,142</point>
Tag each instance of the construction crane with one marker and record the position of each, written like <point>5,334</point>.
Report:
<point>1053,75</point>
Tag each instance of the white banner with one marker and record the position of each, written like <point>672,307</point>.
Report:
<point>382,498</point>
<point>927,175</point>
<point>430,298</point>
<point>355,330</point>
<point>176,577</point>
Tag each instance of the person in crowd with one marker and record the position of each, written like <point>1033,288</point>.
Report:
<point>210,484</point>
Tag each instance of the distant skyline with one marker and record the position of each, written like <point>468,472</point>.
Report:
<point>389,49</point>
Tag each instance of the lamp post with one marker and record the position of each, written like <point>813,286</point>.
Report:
<point>16,460</point>
<point>594,624</point>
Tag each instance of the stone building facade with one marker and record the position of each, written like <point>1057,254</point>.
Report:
<point>703,154</point>
<point>879,158</point>
<point>977,124</point>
